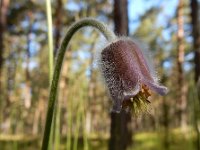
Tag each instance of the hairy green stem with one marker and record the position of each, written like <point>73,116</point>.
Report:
<point>110,36</point>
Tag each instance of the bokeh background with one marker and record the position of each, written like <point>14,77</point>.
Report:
<point>30,30</point>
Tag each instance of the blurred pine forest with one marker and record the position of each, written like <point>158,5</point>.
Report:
<point>82,119</point>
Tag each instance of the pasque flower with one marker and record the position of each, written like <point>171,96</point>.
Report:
<point>124,67</point>
<point>128,75</point>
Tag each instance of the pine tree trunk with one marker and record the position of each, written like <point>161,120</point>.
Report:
<point>166,143</point>
<point>196,36</point>
<point>27,90</point>
<point>182,102</point>
<point>58,23</point>
<point>63,85</point>
<point>120,132</point>
<point>196,47</point>
<point>3,22</point>
<point>3,19</point>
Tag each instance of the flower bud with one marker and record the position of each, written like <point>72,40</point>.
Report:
<point>128,75</point>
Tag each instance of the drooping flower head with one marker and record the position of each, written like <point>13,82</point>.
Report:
<point>128,75</point>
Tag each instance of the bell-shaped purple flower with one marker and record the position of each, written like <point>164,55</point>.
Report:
<point>128,75</point>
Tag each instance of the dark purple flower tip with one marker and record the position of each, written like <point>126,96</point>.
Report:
<point>128,75</point>
<point>162,90</point>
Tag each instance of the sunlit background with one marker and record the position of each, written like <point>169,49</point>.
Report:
<point>169,32</point>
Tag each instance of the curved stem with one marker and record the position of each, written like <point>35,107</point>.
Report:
<point>54,85</point>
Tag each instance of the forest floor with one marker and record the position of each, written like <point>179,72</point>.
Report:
<point>176,140</point>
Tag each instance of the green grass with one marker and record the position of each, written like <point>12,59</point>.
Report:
<point>155,141</point>
<point>142,141</point>
<point>19,142</point>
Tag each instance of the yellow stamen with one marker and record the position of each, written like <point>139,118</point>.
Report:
<point>139,102</point>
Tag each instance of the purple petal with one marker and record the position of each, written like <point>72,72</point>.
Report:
<point>162,90</point>
<point>131,93</point>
